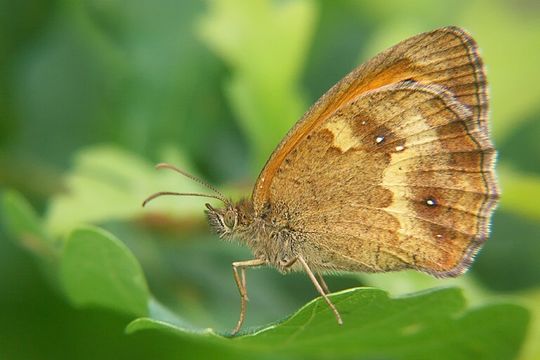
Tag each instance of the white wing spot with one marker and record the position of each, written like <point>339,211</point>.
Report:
<point>379,139</point>
<point>400,148</point>
<point>431,202</point>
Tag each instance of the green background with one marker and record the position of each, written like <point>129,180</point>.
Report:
<point>94,92</point>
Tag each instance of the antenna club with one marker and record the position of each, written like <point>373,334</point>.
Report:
<point>162,166</point>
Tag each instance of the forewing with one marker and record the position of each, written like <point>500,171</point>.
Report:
<point>447,57</point>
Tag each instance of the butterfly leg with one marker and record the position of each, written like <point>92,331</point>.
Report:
<point>323,283</point>
<point>239,272</point>
<point>320,289</point>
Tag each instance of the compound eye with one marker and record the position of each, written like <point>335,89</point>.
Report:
<point>229,219</point>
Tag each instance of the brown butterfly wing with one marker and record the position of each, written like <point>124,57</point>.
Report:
<point>395,176</point>
<point>446,56</point>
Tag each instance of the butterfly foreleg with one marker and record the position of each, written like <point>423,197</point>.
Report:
<point>239,272</point>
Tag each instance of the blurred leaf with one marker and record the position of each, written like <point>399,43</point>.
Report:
<point>61,90</point>
<point>397,20</point>
<point>341,33</point>
<point>108,183</point>
<point>520,148</point>
<point>19,23</point>
<point>93,72</point>
<point>520,193</point>
<point>98,269</point>
<point>508,34</point>
<point>531,350</point>
<point>409,281</point>
<point>24,225</point>
<point>420,326</point>
<point>509,259</point>
<point>395,11</point>
<point>265,43</point>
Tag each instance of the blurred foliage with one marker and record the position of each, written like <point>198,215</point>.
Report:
<point>93,93</point>
<point>247,36</point>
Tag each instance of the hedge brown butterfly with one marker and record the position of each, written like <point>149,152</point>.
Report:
<point>391,169</point>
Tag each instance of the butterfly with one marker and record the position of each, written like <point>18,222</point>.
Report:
<point>391,169</point>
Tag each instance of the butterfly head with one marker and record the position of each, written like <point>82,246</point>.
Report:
<point>223,221</point>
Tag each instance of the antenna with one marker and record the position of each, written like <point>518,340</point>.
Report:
<point>161,193</point>
<point>219,195</point>
<point>192,177</point>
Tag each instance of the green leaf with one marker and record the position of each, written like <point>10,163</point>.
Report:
<point>98,269</point>
<point>531,349</point>
<point>24,224</point>
<point>426,325</point>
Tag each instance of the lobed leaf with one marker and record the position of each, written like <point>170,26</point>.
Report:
<point>426,325</point>
<point>98,269</point>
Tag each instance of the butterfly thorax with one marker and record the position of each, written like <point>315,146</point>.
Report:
<point>266,233</point>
